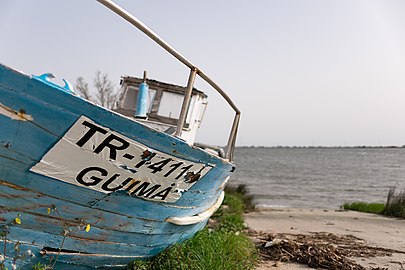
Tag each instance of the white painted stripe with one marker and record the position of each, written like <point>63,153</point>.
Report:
<point>199,217</point>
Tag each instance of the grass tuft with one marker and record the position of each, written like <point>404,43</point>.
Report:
<point>395,206</point>
<point>241,191</point>
<point>221,245</point>
<point>40,266</point>
<point>207,250</point>
<point>374,208</point>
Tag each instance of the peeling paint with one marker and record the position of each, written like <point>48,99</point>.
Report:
<point>147,155</point>
<point>192,177</point>
<point>10,185</point>
<point>19,116</point>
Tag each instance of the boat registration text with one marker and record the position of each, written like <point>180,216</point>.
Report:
<point>95,157</point>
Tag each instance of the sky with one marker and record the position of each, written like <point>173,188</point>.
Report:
<point>303,73</point>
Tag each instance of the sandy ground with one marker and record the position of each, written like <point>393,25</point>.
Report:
<point>374,229</point>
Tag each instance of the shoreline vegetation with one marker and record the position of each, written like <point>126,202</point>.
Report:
<point>222,244</point>
<point>226,243</point>
<point>293,239</point>
<point>394,207</point>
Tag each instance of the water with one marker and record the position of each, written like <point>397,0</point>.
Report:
<point>319,177</point>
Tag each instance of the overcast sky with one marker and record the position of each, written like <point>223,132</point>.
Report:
<point>302,72</point>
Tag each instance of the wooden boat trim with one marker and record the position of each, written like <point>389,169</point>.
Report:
<point>199,217</point>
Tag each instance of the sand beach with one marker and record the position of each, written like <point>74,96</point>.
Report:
<point>374,231</point>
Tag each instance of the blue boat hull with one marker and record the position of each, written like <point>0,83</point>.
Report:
<point>44,218</point>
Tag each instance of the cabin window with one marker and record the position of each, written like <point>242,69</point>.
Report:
<point>201,113</point>
<point>164,104</point>
<point>170,105</point>
<point>152,95</point>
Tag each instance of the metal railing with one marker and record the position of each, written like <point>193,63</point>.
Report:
<point>193,72</point>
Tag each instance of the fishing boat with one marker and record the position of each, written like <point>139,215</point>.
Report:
<point>83,186</point>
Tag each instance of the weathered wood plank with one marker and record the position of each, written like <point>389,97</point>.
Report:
<point>98,233</point>
<point>30,203</point>
<point>30,254</point>
<point>117,203</point>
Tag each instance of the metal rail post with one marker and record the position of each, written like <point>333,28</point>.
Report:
<point>232,137</point>
<point>186,101</point>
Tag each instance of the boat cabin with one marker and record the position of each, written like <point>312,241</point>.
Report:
<point>161,105</point>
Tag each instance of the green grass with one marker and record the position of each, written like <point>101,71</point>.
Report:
<point>207,250</point>
<point>375,208</point>
<point>222,245</point>
<point>394,207</point>
<point>40,266</point>
<point>242,193</point>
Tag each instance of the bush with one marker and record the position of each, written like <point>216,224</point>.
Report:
<point>395,206</point>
